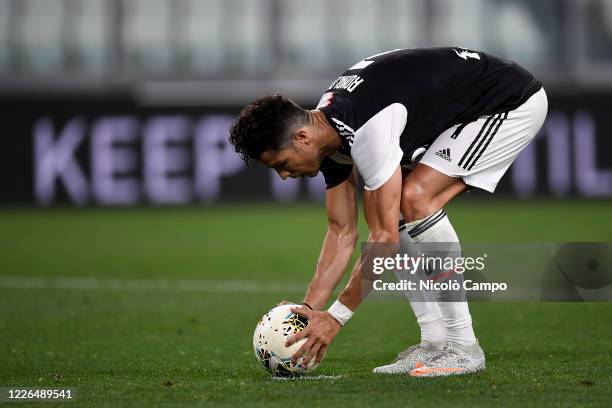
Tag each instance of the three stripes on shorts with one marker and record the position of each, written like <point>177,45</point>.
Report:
<point>482,140</point>
<point>469,159</point>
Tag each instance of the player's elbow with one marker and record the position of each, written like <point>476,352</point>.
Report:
<point>346,234</point>
<point>389,235</point>
<point>352,238</point>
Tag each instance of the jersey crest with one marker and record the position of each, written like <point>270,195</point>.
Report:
<point>465,54</point>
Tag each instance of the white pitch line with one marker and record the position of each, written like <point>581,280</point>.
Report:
<point>308,377</point>
<point>148,284</point>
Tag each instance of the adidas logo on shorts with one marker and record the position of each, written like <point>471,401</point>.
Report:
<point>444,153</point>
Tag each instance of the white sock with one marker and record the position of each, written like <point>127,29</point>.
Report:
<point>433,332</point>
<point>456,315</point>
<point>458,323</point>
<point>427,313</point>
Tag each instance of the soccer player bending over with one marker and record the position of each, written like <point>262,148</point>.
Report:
<point>420,126</point>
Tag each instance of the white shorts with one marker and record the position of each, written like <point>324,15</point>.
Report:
<point>480,152</point>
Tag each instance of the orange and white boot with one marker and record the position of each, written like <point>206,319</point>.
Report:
<point>407,359</point>
<point>454,360</point>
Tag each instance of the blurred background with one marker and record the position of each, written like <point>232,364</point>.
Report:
<point>128,102</point>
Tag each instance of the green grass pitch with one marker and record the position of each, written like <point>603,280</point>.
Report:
<point>123,306</point>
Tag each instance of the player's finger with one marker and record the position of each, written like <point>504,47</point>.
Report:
<point>321,354</point>
<point>302,350</point>
<point>292,339</point>
<point>312,353</point>
<point>302,311</point>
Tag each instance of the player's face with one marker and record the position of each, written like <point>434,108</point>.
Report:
<point>297,160</point>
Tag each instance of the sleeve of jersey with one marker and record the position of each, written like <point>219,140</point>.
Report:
<point>334,173</point>
<point>376,150</point>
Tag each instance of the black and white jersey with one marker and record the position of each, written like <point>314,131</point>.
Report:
<point>388,105</point>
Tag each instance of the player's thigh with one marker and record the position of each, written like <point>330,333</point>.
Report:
<point>425,190</point>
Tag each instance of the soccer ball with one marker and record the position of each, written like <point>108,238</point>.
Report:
<point>269,342</point>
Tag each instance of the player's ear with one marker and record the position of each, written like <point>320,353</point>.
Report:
<point>301,137</point>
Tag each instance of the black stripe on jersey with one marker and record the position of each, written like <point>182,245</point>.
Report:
<point>481,141</point>
<point>427,224</point>
<point>488,141</point>
<point>459,129</point>
<point>475,140</point>
<point>345,130</point>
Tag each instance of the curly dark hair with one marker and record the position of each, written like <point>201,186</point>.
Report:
<point>266,124</point>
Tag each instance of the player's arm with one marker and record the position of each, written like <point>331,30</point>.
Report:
<point>381,207</point>
<point>338,244</point>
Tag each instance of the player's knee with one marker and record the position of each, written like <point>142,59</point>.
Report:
<point>416,202</point>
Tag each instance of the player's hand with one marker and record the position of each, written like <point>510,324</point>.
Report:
<point>321,329</point>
